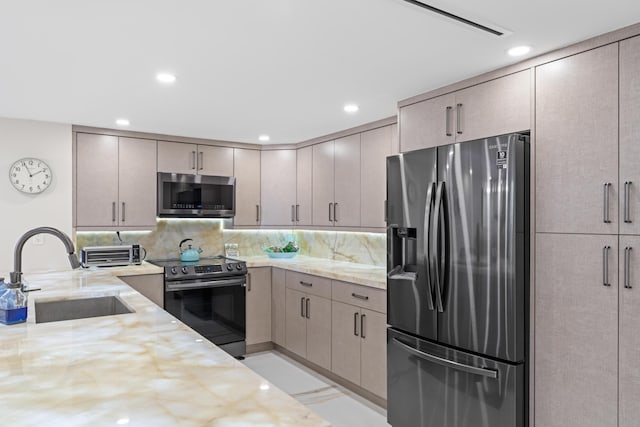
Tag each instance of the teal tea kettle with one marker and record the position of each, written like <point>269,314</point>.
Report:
<point>189,254</point>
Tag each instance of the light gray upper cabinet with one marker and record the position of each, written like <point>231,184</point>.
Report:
<point>629,184</point>
<point>576,331</point>
<point>178,157</point>
<point>376,145</point>
<point>304,186</point>
<point>577,143</point>
<point>346,208</point>
<point>322,182</point>
<point>492,108</point>
<point>115,182</point>
<point>278,185</point>
<point>247,172</point>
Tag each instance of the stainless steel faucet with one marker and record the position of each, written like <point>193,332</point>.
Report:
<point>16,275</point>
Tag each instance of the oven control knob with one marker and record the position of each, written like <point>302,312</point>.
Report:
<point>239,266</point>
<point>229,267</point>
<point>174,270</point>
<point>184,270</point>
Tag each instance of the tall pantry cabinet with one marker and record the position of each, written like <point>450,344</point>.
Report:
<point>587,212</point>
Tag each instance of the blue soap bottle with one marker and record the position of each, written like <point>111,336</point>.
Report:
<point>13,304</point>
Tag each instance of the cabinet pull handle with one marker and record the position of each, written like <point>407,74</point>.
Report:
<point>302,307</point>
<point>362,324</point>
<point>113,212</point>
<point>309,284</point>
<point>605,266</point>
<point>364,297</point>
<point>447,113</point>
<point>193,160</point>
<point>605,204</point>
<point>248,282</point>
<point>330,209</point>
<point>355,324</point>
<point>257,213</point>
<point>627,267</point>
<point>458,119</point>
<point>335,212</point>
<point>627,208</point>
<point>293,213</point>
<point>201,160</point>
<point>123,212</point>
<point>297,213</point>
<point>308,315</point>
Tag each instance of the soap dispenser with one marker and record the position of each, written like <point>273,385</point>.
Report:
<point>13,305</point>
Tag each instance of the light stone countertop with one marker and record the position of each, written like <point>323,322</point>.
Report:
<point>362,274</point>
<point>139,369</point>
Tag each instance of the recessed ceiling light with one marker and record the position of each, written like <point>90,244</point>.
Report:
<point>264,138</point>
<point>122,122</point>
<point>351,108</point>
<point>519,50</point>
<point>165,78</point>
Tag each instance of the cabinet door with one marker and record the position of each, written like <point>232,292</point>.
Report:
<point>345,341</point>
<point>373,368</point>
<point>630,135</point>
<point>176,157</point>
<point>577,143</point>
<point>375,147</point>
<point>217,161</point>
<point>296,323</point>
<point>137,182</point>
<point>494,108</point>
<point>576,334</point>
<point>322,182</point>
<point>278,187</point>
<point>304,179</point>
<point>629,288</point>
<point>427,123</point>
<point>149,285</point>
<point>346,162</point>
<point>318,313</point>
<point>395,141</point>
<point>96,180</point>
<point>258,292</point>
<point>278,319</point>
<point>247,173</point>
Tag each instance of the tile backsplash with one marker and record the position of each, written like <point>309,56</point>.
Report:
<point>212,234</point>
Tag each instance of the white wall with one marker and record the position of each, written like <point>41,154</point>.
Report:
<point>51,142</point>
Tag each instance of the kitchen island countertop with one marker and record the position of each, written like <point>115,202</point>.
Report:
<point>139,369</point>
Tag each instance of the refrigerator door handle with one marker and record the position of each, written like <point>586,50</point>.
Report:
<point>438,259</point>
<point>427,231</point>
<point>490,373</point>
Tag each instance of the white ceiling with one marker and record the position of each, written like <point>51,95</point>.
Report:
<point>244,68</point>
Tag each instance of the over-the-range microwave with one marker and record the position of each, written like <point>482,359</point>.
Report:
<point>196,196</point>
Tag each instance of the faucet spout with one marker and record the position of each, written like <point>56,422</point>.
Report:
<point>16,275</point>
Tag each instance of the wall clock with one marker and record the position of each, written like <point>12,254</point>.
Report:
<point>30,175</point>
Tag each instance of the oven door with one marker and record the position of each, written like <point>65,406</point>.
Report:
<point>215,309</point>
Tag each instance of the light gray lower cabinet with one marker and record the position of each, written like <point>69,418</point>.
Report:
<point>149,285</point>
<point>258,307</point>
<point>576,333</point>
<point>278,306</point>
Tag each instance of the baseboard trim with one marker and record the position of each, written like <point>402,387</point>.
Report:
<point>257,348</point>
<point>333,377</point>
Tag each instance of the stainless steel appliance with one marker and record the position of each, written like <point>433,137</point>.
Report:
<point>183,196</point>
<point>209,296</point>
<point>109,256</point>
<point>458,284</point>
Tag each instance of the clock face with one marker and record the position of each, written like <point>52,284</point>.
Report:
<point>29,175</point>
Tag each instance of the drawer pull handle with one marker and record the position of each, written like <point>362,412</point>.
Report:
<point>364,297</point>
<point>306,283</point>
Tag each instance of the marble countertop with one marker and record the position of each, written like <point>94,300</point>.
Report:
<point>139,369</point>
<point>362,274</point>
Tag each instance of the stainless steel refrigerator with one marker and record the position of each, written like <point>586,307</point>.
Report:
<point>458,284</point>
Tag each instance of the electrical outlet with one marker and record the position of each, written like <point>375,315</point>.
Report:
<point>38,240</point>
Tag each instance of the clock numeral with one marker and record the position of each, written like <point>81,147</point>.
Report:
<point>14,175</point>
<point>24,164</point>
<point>17,169</point>
<point>43,183</point>
<point>30,162</point>
<point>46,176</point>
<point>17,181</point>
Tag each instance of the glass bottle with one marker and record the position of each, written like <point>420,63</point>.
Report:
<point>13,305</point>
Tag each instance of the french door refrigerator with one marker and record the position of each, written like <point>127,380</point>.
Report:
<point>458,284</point>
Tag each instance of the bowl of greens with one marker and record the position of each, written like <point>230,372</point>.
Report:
<point>288,251</point>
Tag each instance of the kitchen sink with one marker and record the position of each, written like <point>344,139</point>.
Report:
<point>81,308</point>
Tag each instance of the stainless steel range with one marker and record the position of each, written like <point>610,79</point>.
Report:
<point>209,296</point>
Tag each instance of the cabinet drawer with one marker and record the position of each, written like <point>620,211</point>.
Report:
<point>309,284</point>
<point>362,296</point>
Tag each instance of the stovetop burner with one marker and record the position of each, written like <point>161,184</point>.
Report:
<point>205,268</point>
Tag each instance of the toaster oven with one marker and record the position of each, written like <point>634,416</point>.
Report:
<point>109,256</point>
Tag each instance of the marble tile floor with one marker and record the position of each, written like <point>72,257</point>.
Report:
<point>334,403</point>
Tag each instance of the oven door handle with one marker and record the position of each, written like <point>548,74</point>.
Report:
<point>185,285</point>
